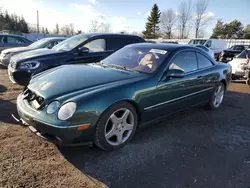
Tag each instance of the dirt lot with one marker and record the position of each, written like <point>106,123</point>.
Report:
<point>195,148</point>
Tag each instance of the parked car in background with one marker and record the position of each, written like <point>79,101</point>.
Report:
<point>169,42</point>
<point>83,48</point>
<point>106,102</point>
<point>216,45</point>
<point>43,43</point>
<point>209,51</point>
<point>238,63</point>
<point>11,41</point>
<point>228,54</point>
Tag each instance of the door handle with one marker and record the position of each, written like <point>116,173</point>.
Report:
<point>199,77</point>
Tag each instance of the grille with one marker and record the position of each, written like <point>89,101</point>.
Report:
<point>34,100</point>
<point>13,64</point>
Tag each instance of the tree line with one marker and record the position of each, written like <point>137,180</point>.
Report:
<point>13,22</point>
<point>190,18</point>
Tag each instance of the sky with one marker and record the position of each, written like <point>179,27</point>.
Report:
<point>122,15</point>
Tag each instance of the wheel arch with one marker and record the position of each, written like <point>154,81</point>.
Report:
<point>224,83</point>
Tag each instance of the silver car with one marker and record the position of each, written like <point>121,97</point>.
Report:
<point>43,43</point>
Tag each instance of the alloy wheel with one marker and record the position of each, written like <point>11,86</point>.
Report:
<point>119,126</point>
<point>218,96</point>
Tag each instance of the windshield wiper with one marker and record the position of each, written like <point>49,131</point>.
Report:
<point>120,67</point>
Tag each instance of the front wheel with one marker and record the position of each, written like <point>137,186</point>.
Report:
<point>217,97</point>
<point>116,126</point>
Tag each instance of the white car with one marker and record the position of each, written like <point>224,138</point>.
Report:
<point>238,62</point>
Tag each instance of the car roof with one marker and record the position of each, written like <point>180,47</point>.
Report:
<point>11,35</point>
<point>109,34</point>
<point>55,38</point>
<point>164,46</point>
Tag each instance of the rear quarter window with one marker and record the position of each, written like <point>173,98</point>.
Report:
<point>203,62</point>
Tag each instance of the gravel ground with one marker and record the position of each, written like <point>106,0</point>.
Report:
<point>194,148</point>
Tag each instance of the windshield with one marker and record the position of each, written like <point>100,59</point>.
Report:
<point>141,59</point>
<point>40,43</point>
<point>197,41</point>
<point>71,43</point>
<point>245,54</point>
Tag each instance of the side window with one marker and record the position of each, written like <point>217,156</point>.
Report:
<point>50,45</point>
<point>185,61</point>
<point>97,45</point>
<point>116,43</point>
<point>203,62</point>
<point>14,40</point>
<point>240,48</point>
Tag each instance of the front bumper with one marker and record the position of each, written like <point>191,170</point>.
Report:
<point>57,134</point>
<point>21,77</point>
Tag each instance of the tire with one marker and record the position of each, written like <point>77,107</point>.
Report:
<point>119,122</point>
<point>217,97</point>
<point>248,81</point>
<point>233,77</point>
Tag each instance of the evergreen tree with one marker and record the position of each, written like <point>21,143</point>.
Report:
<point>57,29</point>
<point>247,32</point>
<point>152,26</point>
<point>46,31</point>
<point>43,30</point>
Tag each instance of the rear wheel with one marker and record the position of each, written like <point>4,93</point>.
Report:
<point>116,126</point>
<point>217,97</point>
<point>248,81</point>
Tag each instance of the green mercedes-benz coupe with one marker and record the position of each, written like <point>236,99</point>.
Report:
<point>105,103</point>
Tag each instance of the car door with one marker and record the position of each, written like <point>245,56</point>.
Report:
<point>97,52</point>
<point>208,77</point>
<point>173,94</point>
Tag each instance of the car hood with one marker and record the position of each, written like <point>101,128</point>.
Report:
<point>13,50</point>
<point>72,78</point>
<point>38,53</point>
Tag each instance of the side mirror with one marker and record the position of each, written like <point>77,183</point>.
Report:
<point>83,50</point>
<point>175,73</point>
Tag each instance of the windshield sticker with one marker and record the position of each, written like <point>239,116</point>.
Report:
<point>157,51</point>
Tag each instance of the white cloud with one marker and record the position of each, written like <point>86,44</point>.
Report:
<point>138,13</point>
<point>147,14</point>
<point>80,15</point>
<point>93,1</point>
<point>209,14</point>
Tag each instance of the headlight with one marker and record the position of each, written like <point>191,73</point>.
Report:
<point>66,111</point>
<point>6,56</point>
<point>29,65</point>
<point>53,107</point>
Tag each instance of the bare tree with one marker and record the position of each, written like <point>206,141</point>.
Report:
<point>201,18</point>
<point>105,27</point>
<point>72,29</point>
<point>94,26</point>
<point>184,17</point>
<point>168,20</point>
<point>65,30</point>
